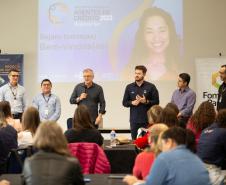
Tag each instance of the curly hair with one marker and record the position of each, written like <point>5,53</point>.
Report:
<point>204,116</point>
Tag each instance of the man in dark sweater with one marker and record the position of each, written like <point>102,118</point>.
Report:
<point>90,94</point>
<point>139,96</point>
<point>221,100</point>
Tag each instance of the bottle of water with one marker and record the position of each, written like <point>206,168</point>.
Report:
<point>113,138</point>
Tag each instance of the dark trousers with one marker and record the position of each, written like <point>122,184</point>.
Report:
<point>134,127</point>
<point>183,121</point>
<point>17,116</point>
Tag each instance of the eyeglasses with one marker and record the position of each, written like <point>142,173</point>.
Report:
<point>88,76</point>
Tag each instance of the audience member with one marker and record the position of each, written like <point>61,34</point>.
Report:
<point>212,147</point>
<point>5,108</point>
<point>145,159</point>
<point>52,164</point>
<point>173,106</point>
<point>30,123</point>
<point>83,130</point>
<point>153,114</point>
<point>8,141</point>
<point>203,117</point>
<point>169,117</point>
<point>176,164</point>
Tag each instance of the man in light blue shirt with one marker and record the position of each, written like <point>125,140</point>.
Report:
<point>14,94</point>
<point>48,104</point>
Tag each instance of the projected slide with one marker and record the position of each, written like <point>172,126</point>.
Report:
<point>111,37</point>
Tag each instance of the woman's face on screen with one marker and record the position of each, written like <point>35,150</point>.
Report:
<point>156,34</point>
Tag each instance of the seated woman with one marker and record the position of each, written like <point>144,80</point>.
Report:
<point>52,164</point>
<point>212,147</point>
<point>203,117</point>
<point>153,115</point>
<point>8,141</point>
<point>83,130</point>
<point>176,165</point>
<point>30,123</point>
<point>5,108</point>
<point>145,159</point>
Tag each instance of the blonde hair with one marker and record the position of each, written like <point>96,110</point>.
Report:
<point>155,135</point>
<point>49,137</point>
<point>154,113</point>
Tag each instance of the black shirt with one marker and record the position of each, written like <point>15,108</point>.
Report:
<point>138,114</point>
<point>8,141</point>
<point>95,96</point>
<point>86,135</point>
<point>221,100</point>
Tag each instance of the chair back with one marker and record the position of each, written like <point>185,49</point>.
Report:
<point>91,157</point>
<point>17,157</point>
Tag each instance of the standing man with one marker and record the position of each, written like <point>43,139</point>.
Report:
<point>14,94</point>
<point>90,94</point>
<point>139,96</point>
<point>48,104</point>
<point>221,100</point>
<point>184,98</point>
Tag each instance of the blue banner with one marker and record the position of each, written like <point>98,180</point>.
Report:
<point>8,62</point>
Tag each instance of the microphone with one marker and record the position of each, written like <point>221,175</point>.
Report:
<point>85,87</point>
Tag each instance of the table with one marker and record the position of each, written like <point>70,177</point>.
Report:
<point>121,157</point>
<point>95,179</point>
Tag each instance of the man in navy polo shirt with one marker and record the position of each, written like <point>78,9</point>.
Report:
<point>139,96</point>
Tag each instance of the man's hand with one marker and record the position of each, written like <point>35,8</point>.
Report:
<point>135,102</point>
<point>141,99</point>
<point>82,96</point>
<point>98,119</point>
<point>4,182</point>
<point>179,115</point>
<point>129,179</point>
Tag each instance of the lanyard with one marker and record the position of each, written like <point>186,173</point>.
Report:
<point>46,100</point>
<point>13,93</point>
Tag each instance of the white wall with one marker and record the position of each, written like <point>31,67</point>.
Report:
<point>204,33</point>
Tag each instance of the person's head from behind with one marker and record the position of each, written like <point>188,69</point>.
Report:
<point>46,86</point>
<point>88,76</point>
<point>204,116</point>
<point>173,137</point>
<point>5,108</point>
<point>3,122</point>
<point>173,106</point>
<point>154,113</point>
<point>222,73</point>
<point>155,131</point>
<point>183,80</point>
<point>221,118</point>
<point>140,72</point>
<point>82,118</point>
<point>13,76</point>
<point>49,137</point>
<point>169,117</point>
<point>30,119</point>
<point>176,136</point>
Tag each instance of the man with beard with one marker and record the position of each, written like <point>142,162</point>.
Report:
<point>139,96</point>
<point>221,100</point>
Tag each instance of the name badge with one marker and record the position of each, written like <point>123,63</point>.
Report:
<point>46,112</point>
